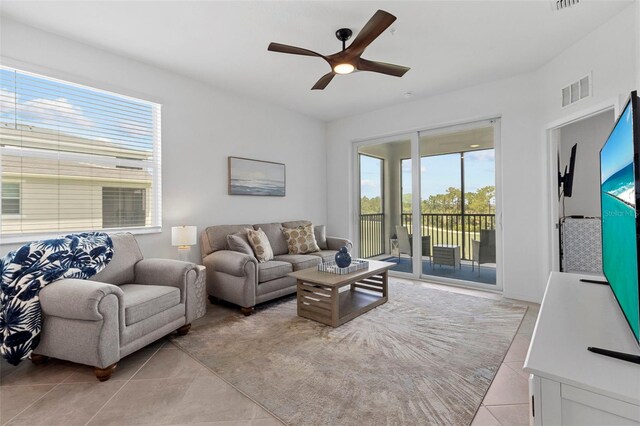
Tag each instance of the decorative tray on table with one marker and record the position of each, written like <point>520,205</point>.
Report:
<point>331,267</point>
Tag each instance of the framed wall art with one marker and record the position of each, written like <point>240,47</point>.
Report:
<point>256,177</point>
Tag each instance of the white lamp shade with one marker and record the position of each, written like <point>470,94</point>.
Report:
<point>183,235</point>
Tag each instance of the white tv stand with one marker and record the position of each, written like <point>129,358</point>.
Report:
<point>569,385</point>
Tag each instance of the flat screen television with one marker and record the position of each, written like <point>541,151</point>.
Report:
<point>620,187</point>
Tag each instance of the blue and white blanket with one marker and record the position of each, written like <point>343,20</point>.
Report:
<point>25,271</point>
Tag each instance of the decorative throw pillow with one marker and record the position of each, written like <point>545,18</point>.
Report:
<point>320,232</point>
<point>260,244</point>
<point>239,242</point>
<point>301,240</point>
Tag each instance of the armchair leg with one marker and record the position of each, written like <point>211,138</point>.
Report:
<point>104,374</point>
<point>247,311</point>
<point>38,359</point>
<point>184,329</point>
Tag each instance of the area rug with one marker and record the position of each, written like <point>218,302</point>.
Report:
<point>425,357</point>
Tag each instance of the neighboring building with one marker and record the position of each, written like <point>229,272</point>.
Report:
<point>55,181</point>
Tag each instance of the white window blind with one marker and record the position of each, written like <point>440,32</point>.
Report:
<point>73,158</point>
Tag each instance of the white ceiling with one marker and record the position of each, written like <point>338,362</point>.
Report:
<point>448,45</point>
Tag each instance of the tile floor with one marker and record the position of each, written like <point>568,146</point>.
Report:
<point>161,384</point>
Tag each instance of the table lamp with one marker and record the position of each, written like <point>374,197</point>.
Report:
<point>184,237</point>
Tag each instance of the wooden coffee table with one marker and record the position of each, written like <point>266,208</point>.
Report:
<point>320,297</point>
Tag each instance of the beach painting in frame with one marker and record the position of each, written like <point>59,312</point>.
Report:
<point>255,177</point>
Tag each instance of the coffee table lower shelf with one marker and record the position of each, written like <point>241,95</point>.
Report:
<point>330,306</point>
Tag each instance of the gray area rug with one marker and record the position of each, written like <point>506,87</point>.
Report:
<point>425,357</point>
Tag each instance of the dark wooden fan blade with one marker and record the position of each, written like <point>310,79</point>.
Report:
<point>382,67</point>
<point>284,48</point>
<point>324,81</point>
<point>379,22</point>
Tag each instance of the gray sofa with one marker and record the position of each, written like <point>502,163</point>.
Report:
<point>240,279</point>
<point>129,304</point>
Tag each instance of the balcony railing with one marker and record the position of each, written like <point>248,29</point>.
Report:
<point>372,235</point>
<point>454,229</point>
<point>443,228</point>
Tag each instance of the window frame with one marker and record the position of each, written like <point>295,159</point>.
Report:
<point>154,164</point>
<point>19,198</point>
<point>122,192</point>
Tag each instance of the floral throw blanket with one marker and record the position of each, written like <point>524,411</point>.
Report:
<point>27,270</point>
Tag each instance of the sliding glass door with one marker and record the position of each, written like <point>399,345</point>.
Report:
<point>428,203</point>
<point>458,204</point>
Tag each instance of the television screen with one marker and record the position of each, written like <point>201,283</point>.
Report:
<point>618,164</point>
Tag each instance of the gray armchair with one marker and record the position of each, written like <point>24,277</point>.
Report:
<point>129,304</point>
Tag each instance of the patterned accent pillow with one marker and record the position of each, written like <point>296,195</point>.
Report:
<point>301,240</point>
<point>260,244</point>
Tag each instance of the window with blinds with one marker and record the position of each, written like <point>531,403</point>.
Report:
<point>73,158</point>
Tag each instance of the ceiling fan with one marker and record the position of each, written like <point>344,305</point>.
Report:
<point>349,59</point>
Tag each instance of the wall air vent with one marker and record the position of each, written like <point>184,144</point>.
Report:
<point>564,4</point>
<point>576,91</point>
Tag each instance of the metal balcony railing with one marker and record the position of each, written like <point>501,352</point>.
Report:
<point>443,228</point>
<point>453,229</point>
<point>372,235</point>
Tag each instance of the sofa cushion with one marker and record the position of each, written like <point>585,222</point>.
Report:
<point>239,242</point>
<point>260,245</point>
<point>326,255</point>
<point>300,261</point>
<point>320,232</point>
<point>301,240</point>
<point>275,236</point>
<point>144,301</point>
<point>273,269</point>
<point>126,254</point>
<point>215,237</point>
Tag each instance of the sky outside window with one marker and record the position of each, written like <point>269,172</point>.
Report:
<point>438,177</point>
<point>77,111</point>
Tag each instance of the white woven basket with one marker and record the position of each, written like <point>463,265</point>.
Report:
<point>331,267</point>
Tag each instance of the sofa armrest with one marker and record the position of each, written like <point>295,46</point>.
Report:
<point>167,272</point>
<point>78,299</point>
<point>230,262</point>
<point>334,243</point>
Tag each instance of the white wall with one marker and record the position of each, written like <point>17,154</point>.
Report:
<point>201,126</point>
<point>520,151</point>
<point>609,53</point>
<point>525,104</point>
<point>590,135</point>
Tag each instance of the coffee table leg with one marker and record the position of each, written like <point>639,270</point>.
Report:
<point>299,295</point>
<point>385,276</point>
<point>335,304</point>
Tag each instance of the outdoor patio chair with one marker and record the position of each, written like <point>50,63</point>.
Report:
<point>405,242</point>
<point>484,251</point>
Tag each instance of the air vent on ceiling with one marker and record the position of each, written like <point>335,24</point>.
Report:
<point>576,91</point>
<point>564,4</point>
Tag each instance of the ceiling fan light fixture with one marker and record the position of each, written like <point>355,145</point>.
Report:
<point>345,68</point>
<point>350,58</point>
